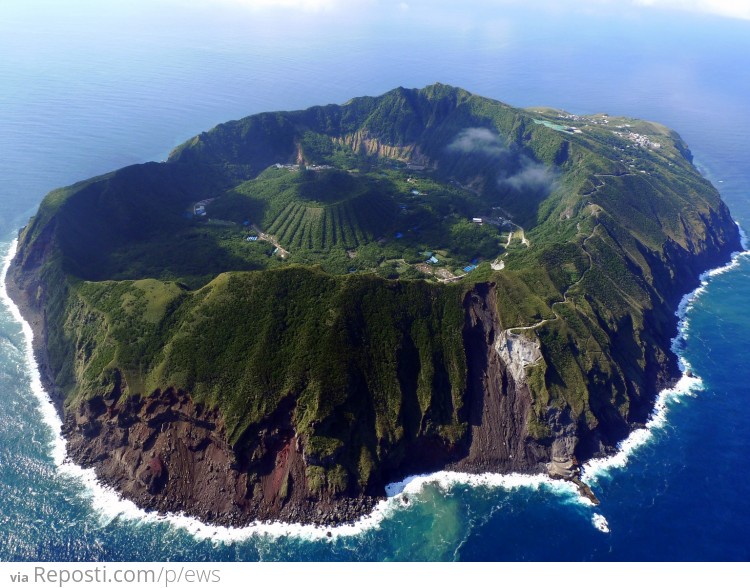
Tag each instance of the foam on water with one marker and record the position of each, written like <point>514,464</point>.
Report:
<point>46,407</point>
<point>688,385</point>
<point>110,506</point>
<point>600,523</point>
<point>447,480</point>
<point>598,467</point>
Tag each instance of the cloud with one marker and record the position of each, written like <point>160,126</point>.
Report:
<point>303,5</point>
<point>480,140</point>
<point>529,175</point>
<point>532,176</point>
<point>727,8</point>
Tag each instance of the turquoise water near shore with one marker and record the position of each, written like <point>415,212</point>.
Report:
<point>88,92</point>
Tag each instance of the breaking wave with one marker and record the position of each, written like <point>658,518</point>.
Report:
<point>109,505</point>
<point>688,385</point>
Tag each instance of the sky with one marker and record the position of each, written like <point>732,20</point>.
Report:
<point>726,8</point>
<point>737,9</point>
<point>306,17</point>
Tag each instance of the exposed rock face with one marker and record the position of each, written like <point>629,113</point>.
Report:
<point>565,437</point>
<point>363,142</point>
<point>169,454</point>
<point>517,352</point>
<point>498,398</point>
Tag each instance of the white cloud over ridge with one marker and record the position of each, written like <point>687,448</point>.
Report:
<point>532,176</point>
<point>529,175</point>
<point>475,140</point>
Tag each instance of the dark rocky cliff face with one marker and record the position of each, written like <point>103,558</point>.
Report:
<point>169,454</point>
<point>675,273</point>
<point>498,407</point>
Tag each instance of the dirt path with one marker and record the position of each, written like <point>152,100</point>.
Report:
<point>600,186</point>
<point>565,294</point>
<point>499,264</point>
<point>271,239</point>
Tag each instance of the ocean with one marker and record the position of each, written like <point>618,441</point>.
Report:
<point>85,89</point>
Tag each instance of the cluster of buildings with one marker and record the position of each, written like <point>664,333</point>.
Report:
<point>497,220</point>
<point>295,167</point>
<point>640,140</point>
<point>636,138</point>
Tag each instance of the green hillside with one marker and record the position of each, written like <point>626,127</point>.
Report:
<point>329,344</point>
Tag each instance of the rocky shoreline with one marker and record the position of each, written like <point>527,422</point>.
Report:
<point>169,455</point>
<point>101,438</point>
<point>19,292</point>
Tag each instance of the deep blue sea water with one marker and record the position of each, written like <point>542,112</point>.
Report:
<point>84,89</point>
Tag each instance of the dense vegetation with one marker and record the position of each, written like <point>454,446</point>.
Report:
<point>597,230</point>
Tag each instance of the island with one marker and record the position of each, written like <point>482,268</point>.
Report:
<point>298,308</point>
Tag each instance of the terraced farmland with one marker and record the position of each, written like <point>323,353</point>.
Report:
<point>313,210</point>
